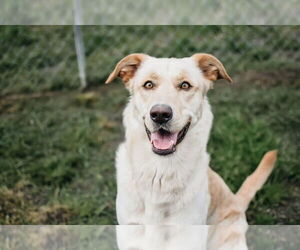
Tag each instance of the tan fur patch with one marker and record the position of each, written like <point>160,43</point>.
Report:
<point>211,67</point>
<point>126,68</point>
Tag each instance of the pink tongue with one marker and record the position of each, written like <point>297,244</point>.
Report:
<point>163,141</point>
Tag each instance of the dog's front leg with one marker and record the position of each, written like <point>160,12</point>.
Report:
<point>129,206</point>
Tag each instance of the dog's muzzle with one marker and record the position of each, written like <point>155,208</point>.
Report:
<point>164,142</point>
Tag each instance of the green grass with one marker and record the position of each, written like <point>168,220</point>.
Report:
<point>57,150</point>
<point>43,58</point>
<point>251,120</point>
<point>60,150</point>
<point>57,153</point>
<point>59,237</point>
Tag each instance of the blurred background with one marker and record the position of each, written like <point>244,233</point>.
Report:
<point>60,125</point>
<point>144,12</point>
<point>105,237</point>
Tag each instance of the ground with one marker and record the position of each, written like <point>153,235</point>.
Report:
<point>57,149</point>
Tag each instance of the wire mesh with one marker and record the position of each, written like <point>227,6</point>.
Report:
<point>145,12</point>
<point>43,58</point>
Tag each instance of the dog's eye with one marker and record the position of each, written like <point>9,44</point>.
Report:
<point>148,85</point>
<point>185,85</point>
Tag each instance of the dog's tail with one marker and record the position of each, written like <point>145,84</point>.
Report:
<point>256,180</point>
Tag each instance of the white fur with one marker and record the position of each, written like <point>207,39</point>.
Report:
<point>173,189</point>
<point>162,237</point>
<point>151,186</point>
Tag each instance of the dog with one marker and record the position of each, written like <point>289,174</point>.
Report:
<point>227,218</point>
<point>163,173</point>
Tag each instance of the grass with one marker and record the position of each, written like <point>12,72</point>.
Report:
<point>60,150</point>
<point>57,145</point>
<point>43,59</point>
<point>58,237</point>
<point>251,120</point>
<point>57,153</point>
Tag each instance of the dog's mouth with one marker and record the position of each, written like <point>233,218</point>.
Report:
<point>164,142</point>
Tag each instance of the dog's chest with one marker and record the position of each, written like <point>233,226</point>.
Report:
<point>153,192</point>
<point>172,197</point>
<point>161,195</point>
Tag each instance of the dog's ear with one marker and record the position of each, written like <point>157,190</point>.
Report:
<point>211,67</point>
<point>126,68</point>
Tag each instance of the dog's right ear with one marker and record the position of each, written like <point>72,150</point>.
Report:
<point>126,68</point>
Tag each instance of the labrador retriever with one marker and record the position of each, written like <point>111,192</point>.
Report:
<point>163,173</point>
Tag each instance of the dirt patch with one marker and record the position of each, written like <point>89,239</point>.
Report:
<point>50,214</point>
<point>285,212</point>
<point>20,205</point>
<point>289,209</point>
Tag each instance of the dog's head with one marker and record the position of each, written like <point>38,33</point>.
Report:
<point>168,93</point>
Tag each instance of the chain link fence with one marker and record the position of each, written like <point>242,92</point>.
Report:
<point>43,58</point>
<point>145,12</point>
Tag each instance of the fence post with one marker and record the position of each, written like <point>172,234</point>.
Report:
<point>79,45</point>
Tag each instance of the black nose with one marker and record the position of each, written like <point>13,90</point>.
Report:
<point>161,113</point>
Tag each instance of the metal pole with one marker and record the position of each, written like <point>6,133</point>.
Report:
<point>79,45</point>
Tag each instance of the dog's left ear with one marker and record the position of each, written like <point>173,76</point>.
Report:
<point>211,67</point>
<point>126,68</point>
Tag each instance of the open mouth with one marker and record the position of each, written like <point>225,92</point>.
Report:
<point>164,142</point>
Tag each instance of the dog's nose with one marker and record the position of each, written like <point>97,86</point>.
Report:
<point>161,113</point>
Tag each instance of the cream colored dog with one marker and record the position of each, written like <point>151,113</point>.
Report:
<point>227,214</point>
<point>163,173</point>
